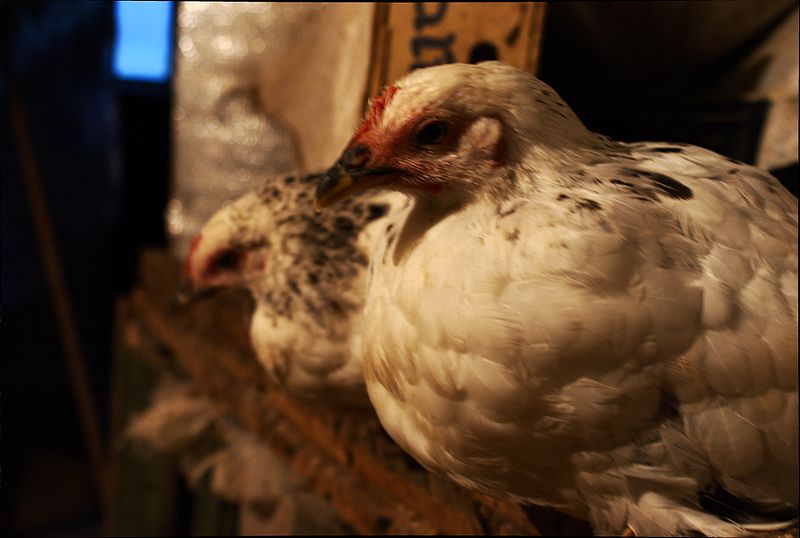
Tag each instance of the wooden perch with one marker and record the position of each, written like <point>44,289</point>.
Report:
<point>344,456</point>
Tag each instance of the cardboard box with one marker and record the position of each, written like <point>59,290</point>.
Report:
<point>411,35</point>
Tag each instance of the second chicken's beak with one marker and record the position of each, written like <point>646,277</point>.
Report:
<point>352,173</point>
<point>187,294</point>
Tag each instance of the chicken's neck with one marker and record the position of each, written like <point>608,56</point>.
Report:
<point>426,212</point>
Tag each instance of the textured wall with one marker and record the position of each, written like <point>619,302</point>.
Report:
<point>261,89</point>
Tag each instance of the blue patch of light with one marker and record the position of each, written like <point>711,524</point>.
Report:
<point>143,48</point>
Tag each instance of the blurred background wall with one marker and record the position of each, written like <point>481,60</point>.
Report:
<point>100,139</point>
<point>720,74</point>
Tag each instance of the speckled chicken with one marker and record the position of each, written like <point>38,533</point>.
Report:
<point>606,328</point>
<point>307,276</point>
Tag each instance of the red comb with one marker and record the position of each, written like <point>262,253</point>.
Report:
<point>376,108</point>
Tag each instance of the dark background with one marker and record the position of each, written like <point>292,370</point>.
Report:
<point>102,149</point>
<point>630,70</point>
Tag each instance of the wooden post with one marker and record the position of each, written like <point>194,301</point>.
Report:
<point>62,306</point>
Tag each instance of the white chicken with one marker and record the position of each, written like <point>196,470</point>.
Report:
<point>609,329</point>
<point>307,276</point>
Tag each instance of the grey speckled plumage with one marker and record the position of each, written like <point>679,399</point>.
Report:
<point>306,274</point>
<point>606,328</point>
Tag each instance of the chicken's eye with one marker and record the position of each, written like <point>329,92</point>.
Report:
<point>432,133</point>
<point>225,260</point>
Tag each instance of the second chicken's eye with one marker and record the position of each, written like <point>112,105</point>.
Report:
<point>432,133</point>
<point>225,260</point>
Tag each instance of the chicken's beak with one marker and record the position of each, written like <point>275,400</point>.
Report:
<point>187,293</point>
<point>183,295</point>
<point>350,174</point>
